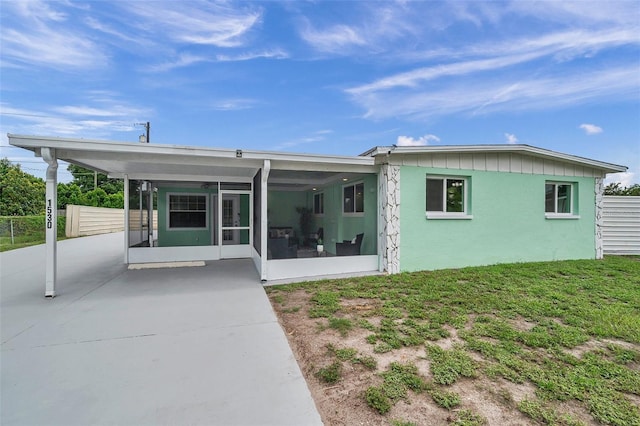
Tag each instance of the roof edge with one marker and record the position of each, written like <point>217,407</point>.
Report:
<point>35,142</point>
<point>515,148</point>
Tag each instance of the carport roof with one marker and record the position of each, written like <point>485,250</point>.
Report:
<point>175,162</point>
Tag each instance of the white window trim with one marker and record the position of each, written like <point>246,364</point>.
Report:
<point>554,215</point>
<point>168,213</point>
<point>464,215</point>
<point>352,214</point>
<point>561,216</point>
<point>314,204</point>
<point>443,215</point>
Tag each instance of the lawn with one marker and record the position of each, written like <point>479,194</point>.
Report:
<point>535,343</point>
<point>27,231</point>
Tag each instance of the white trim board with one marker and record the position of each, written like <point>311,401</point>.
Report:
<point>278,269</point>
<point>173,254</point>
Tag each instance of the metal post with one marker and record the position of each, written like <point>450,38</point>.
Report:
<point>264,219</point>
<point>140,184</point>
<point>127,225</point>
<point>11,223</point>
<point>150,214</point>
<point>51,222</point>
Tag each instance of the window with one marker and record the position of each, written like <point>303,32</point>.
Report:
<point>187,211</point>
<point>447,197</point>
<point>318,203</point>
<point>558,199</point>
<point>353,198</point>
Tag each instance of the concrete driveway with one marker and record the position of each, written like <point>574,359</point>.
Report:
<point>197,345</point>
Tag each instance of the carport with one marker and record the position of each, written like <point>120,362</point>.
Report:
<point>229,177</point>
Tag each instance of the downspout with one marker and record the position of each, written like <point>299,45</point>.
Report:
<point>51,221</point>
<point>264,220</point>
<point>127,225</point>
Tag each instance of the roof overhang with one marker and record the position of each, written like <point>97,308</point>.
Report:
<point>146,161</point>
<point>509,149</point>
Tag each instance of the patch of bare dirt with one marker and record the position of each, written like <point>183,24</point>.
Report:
<point>495,404</point>
<point>593,344</point>
<point>522,324</point>
<point>343,403</point>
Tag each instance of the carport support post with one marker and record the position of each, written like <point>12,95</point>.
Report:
<point>264,220</point>
<point>51,221</point>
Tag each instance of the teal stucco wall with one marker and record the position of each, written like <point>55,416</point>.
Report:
<point>338,226</point>
<point>508,223</point>
<point>282,209</point>
<point>175,238</point>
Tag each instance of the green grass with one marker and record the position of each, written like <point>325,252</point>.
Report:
<point>445,399</point>
<point>331,373</point>
<point>448,366</point>
<point>27,230</point>
<point>468,418</point>
<point>520,319</point>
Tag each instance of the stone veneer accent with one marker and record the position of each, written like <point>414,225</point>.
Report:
<point>389,196</point>
<point>599,190</point>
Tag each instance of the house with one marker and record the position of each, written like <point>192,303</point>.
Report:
<point>391,209</point>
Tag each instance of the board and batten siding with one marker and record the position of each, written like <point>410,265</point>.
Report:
<point>621,224</point>
<point>495,162</point>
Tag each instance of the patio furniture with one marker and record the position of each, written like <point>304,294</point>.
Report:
<point>349,247</point>
<point>279,248</point>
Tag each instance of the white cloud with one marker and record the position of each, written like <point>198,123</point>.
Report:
<point>421,141</point>
<point>371,28</point>
<point>591,129</point>
<point>216,24</point>
<point>625,178</point>
<point>335,39</point>
<point>506,92</point>
<point>234,104</point>
<point>99,115</point>
<point>511,138</point>
<point>35,33</point>
<point>317,136</point>
<point>503,55</point>
<point>268,54</point>
<point>182,60</point>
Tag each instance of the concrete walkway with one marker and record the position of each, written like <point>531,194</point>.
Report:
<point>183,346</point>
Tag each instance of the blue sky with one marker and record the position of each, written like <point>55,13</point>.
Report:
<point>325,77</point>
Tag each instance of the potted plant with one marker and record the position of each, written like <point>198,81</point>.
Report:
<point>320,246</point>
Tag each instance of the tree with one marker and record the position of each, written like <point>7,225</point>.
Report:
<point>21,194</point>
<point>616,188</point>
<point>69,193</point>
<point>108,193</point>
<point>87,179</point>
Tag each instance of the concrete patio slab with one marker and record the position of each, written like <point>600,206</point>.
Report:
<point>158,346</point>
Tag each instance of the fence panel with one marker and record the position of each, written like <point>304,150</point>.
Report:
<point>621,225</point>
<point>85,220</point>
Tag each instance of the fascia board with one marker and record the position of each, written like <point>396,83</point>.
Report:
<point>33,143</point>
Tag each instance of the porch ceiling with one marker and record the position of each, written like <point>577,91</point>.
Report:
<point>290,180</point>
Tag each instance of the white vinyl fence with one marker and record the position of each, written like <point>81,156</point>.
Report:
<point>621,225</point>
<point>85,220</point>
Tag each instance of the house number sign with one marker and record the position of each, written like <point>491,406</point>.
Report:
<point>49,214</point>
